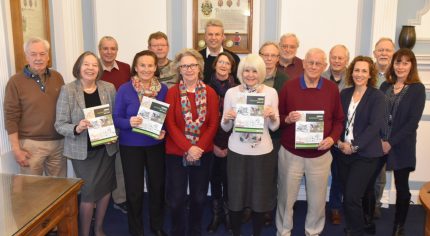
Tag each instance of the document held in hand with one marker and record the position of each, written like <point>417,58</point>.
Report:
<point>309,129</point>
<point>249,113</point>
<point>102,129</point>
<point>153,113</point>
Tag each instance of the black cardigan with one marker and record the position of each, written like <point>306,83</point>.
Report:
<point>403,138</point>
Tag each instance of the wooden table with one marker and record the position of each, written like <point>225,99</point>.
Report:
<point>425,200</point>
<point>33,205</point>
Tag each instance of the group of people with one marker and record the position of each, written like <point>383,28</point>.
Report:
<point>365,128</point>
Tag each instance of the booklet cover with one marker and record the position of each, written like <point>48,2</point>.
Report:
<point>249,109</point>
<point>153,113</point>
<point>102,129</point>
<point>309,129</point>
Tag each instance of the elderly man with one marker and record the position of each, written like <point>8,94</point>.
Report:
<point>29,110</point>
<point>117,73</point>
<point>159,44</point>
<point>214,37</point>
<point>383,53</point>
<point>384,50</point>
<point>276,79</point>
<point>309,92</point>
<point>339,57</point>
<point>289,63</point>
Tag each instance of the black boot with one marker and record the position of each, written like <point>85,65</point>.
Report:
<point>402,208</point>
<point>268,219</point>
<point>227,220</point>
<point>368,204</point>
<point>216,216</point>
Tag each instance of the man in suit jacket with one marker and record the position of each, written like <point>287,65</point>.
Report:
<point>214,37</point>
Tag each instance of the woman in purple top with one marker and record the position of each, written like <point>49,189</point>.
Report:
<point>140,152</point>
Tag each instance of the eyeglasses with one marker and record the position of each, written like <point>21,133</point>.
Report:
<point>226,63</point>
<point>286,46</point>
<point>267,56</point>
<point>159,45</point>
<point>189,66</point>
<point>316,63</point>
<point>336,58</point>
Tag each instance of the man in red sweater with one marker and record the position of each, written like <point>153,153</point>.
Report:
<point>117,73</point>
<point>309,92</point>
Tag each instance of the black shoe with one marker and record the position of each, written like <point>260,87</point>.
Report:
<point>398,230</point>
<point>246,217</point>
<point>268,219</point>
<point>121,206</point>
<point>159,232</point>
<point>370,228</point>
<point>377,213</point>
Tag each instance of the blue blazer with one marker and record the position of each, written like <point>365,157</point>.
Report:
<point>69,112</point>
<point>368,120</point>
<point>403,138</point>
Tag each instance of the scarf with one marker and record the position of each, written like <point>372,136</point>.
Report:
<point>192,127</point>
<point>152,91</point>
<point>221,87</point>
<point>251,138</point>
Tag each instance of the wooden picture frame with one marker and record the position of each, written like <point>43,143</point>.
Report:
<point>29,18</point>
<point>236,16</point>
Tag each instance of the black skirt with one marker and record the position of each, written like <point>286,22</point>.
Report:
<point>98,174</point>
<point>251,181</point>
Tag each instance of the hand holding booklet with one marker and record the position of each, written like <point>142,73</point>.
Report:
<point>309,129</point>
<point>102,129</point>
<point>153,113</point>
<point>249,109</point>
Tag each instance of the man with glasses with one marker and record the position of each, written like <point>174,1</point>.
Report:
<point>384,50</point>
<point>214,37</point>
<point>117,73</point>
<point>289,63</point>
<point>307,92</point>
<point>339,57</point>
<point>276,79</point>
<point>159,44</point>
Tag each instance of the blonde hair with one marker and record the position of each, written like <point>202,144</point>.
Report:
<point>252,61</point>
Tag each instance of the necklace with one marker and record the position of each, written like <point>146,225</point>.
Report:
<point>398,87</point>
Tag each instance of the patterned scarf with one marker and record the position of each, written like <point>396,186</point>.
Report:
<point>251,138</point>
<point>152,91</point>
<point>192,128</point>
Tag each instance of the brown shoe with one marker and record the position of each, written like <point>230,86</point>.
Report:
<point>335,217</point>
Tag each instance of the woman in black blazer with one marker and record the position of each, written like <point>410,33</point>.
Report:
<point>359,148</point>
<point>406,97</point>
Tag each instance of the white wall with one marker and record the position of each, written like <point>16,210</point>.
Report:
<point>130,22</point>
<point>321,24</point>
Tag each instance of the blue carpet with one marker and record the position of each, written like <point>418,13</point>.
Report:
<point>116,222</point>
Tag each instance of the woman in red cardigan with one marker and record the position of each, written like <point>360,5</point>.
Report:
<point>192,122</point>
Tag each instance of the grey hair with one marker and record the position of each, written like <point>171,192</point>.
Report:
<point>385,39</point>
<point>316,51</point>
<point>290,35</point>
<point>189,52</point>
<point>34,40</point>
<point>341,46</point>
<point>109,38</point>
<point>269,43</point>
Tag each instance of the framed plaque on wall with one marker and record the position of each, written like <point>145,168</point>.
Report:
<point>236,16</point>
<point>30,18</point>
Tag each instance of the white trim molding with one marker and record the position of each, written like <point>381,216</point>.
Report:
<point>384,19</point>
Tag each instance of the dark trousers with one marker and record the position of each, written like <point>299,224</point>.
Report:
<point>355,173</point>
<point>218,179</point>
<point>135,160</point>
<point>179,178</point>
<point>403,195</point>
<point>335,197</point>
